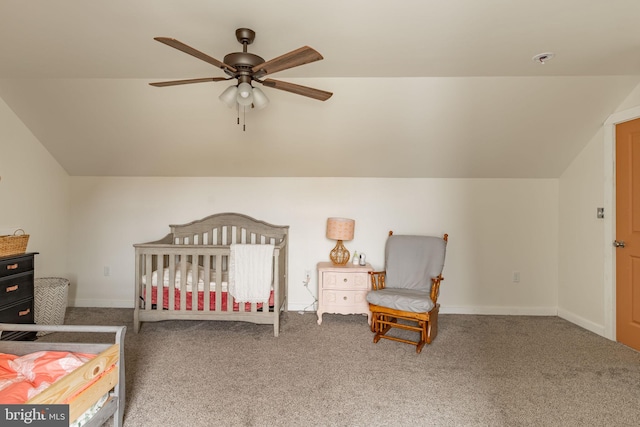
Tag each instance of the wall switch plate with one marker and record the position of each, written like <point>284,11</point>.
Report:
<point>600,213</point>
<point>516,277</point>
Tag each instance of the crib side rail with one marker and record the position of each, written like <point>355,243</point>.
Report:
<point>193,275</point>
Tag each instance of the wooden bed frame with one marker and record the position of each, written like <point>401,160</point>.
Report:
<point>205,243</point>
<point>113,382</point>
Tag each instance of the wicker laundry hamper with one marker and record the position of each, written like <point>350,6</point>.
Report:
<point>50,294</point>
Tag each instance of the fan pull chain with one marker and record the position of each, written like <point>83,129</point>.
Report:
<point>244,113</point>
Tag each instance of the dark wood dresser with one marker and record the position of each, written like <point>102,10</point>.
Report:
<point>16,293</point>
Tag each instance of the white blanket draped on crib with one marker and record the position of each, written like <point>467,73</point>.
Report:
<point>250,272</point>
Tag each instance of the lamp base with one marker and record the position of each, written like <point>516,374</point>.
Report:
<point>339,255</point>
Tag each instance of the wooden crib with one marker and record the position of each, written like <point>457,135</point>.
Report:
<point>185,274</point>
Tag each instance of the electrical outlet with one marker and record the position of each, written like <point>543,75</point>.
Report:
<point>107,270</point>
<point>307,278</point>
<point>516,277</point>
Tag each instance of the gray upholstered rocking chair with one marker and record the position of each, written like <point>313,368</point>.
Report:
<point>408,288</point>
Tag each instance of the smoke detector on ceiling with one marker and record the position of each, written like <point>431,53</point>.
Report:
<point>542,58</point>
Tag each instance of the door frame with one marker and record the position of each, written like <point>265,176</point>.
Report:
<point>610,216</point>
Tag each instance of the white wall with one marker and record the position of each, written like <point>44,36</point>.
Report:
<point>581,286</point>
<point>584,247</point>
<point>34,195</point>
<point>495,227</point>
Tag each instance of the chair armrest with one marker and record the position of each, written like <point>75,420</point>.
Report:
<point>377,279</point>
<point>435,288</point>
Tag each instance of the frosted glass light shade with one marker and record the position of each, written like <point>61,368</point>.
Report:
<point>245,94</point>
<point>260,100</point>
<point>229,96</point>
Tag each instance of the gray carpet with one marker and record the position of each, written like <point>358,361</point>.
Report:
<point>480,371</point>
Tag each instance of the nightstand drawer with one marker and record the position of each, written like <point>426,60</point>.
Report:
<point>13,289</point>
<point>345,298</point>
<point>16,265</point>
<point>345,280</point>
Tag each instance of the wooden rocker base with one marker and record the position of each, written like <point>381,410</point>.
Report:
<point>383,319</point>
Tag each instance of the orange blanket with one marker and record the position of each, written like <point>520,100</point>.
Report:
<point>23,377</point>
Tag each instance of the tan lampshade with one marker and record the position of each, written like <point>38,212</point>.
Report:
<point>340,228</point>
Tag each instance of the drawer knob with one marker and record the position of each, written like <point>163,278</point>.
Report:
<point>25,312</point>
<point>12,288</point>
<point>344,298</point>
<point>12,266</point>
<point>344,280</point>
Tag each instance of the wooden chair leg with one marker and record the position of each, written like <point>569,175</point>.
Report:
<point>379,327</point>
<point>423,325</point>
<point>432,327</point>
<point>374,322</point>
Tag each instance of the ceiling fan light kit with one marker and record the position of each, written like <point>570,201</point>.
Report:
<point>229,96</point>
<point>245,94</point>
<point>246,68</point>
<point>260,100</point>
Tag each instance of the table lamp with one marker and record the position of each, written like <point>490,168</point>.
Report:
<point>340,229</point>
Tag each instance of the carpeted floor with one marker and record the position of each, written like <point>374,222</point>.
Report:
<point>480,371</point>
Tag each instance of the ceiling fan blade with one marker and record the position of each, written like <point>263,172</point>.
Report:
<point>298,89</point>
<point>301,56</point>
<point>193,52</point>
<point>185,82</point>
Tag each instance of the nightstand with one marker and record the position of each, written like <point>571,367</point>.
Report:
<point>343,289</point>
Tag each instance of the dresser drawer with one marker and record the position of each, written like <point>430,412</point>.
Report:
<point>16,288</point>
<point>21,312</point>
<point>345,280</point>
<point>15,265</point>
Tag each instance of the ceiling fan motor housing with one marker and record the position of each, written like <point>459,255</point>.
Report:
<point>243,61</point>
<point>245,35</point>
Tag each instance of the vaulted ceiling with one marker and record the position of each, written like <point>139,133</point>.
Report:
<point>422,88</point>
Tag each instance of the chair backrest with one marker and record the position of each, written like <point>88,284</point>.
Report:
<point>411,261</point>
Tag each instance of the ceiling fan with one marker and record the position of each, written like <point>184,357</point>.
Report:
<point>246,68</point>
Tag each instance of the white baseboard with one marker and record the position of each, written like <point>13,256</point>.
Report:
<point>504,311</point>
<point>582,322</point>
<point>292,306</point>
<point>501,311</point>
<point>101,303</point>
